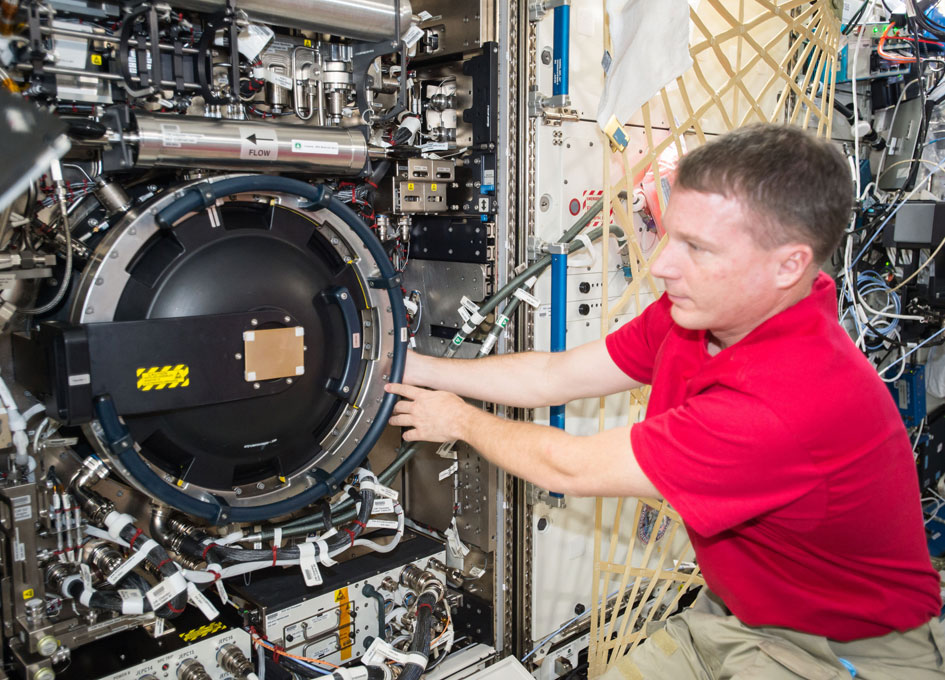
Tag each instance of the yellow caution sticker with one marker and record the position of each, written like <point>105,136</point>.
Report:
<point>29,594</point>
<point>96,59</point>
<point>344,623</point>
<point>202,632</point>
<point>409,186</point>
<point>163,377</point>
<point>433,187</point>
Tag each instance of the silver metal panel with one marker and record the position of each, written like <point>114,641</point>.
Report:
<point>444,284</point>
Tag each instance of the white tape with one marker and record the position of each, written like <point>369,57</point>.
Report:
<point>115,522</point>
<point>417,659</point>
<point>590,260</point>
<point>526,297</point>
<point>382,524</point>
<point>199,600</point>
<point>100,533</point>
<point>230,538</point>
<point>386,491</point>
<point>85,571</point>
<point>277,537</point>
<point>530,283</point>
<point>463,314</point>
<point>476,318</point>
<point>217,571</point>
<point>323,555</point>
<point>469,304</point>
<point>367,485</point>
<point>449,472</point>
<point>166,590</point>
<point>131,601</point>
<point>125,568</point>
<point>85,596</point>
<point>467,329</point>
<point>382,506</point>
<point>310,571</point>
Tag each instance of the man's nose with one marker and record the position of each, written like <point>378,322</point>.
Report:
<point>663,266</point>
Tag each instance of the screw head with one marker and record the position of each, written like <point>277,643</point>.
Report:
<point>255,386</point>
<point>254,322</point>
<point>238,356</point>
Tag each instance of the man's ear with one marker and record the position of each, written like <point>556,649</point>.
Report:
<point>793,261</point>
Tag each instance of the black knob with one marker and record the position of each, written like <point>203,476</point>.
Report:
<point>584,309</point>
<point>584,287</point>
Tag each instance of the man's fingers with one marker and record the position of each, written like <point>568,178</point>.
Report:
<point>408,391</point>
<point>403,406</point>
<point>400,421</point>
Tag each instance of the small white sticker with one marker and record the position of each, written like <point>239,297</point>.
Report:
<point>403,334</point>
<point>253,40</point>
<point>312,146</point>
<point>172,137</point>
<point>476,572</point>
<point>424,16</point>
<point>412,36</point>
<point>450,471</point>
<point>165,591</point>
<point>24,512</point>
<point>221,592</point>
<point>382,524</point>
<point>384,491</point>
<point>200,601</point>
<point>356,340</point>
<point>382,506</point>
<point>527,297</point>
<point>158,627</point>
<point>128,594</point>
<point>310,571</point>
<point>86,573</point>
<point>282,81</point>
<point>80,378</point>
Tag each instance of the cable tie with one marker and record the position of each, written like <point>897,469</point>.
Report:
<point>131,543</point>
<point>274,551</point>
<point>163,562</point>
<point>175,609</point>
<point>350,534</point>
<point>203,555</point>
<point>425,604</point>
<point>360,524</point>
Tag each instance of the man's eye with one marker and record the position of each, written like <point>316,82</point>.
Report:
<point>693,246</point>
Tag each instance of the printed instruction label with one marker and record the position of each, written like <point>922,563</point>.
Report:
<point>312,146</point>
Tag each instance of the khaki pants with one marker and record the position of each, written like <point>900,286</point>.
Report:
<point>706,642</point>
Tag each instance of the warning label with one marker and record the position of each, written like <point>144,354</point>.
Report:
<point>163,377</point>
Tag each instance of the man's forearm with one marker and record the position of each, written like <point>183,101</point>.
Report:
<point>509,379</point>
<point>601,464</point>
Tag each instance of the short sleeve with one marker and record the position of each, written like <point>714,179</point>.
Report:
<point>723,458</point>
<point>634,345</point>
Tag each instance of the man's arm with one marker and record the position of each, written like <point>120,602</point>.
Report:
<point>525,380</point>
<point>597,465</point>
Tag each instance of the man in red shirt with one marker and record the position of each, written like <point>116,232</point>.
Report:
<point>767,430</point>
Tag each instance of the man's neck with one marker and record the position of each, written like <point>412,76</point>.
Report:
<point>717,341</point>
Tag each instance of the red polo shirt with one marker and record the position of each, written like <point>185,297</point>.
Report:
<point>787,459</point>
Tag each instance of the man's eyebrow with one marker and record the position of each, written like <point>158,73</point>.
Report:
<point>693,236</point>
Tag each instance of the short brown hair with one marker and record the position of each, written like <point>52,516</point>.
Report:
<point>798,186</point>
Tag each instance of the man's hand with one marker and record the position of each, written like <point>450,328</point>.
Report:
<point>432,416</point>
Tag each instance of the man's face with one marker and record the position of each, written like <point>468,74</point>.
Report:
<point>717,277</point>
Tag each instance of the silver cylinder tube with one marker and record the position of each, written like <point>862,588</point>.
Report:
<point>371,20</point>
<point>187,142</point>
